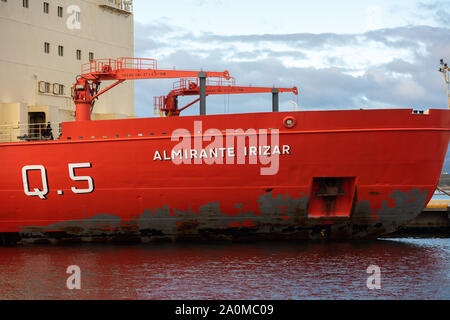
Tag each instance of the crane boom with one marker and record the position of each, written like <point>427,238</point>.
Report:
<point>187,87</point>
<point>136,68</point>
<point>86,88</point>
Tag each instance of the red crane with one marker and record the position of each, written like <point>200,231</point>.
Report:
<point>189,87</point>
<point>86,88</point>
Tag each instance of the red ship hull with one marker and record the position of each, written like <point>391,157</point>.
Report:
<point>339,175</point>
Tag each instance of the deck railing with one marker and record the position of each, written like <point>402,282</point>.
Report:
<point>124,5</point>
<point>113,65</point>
<point>187,83</point>
<point>30,132</point>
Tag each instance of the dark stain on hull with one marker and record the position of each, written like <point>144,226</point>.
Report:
<point>279,217</point>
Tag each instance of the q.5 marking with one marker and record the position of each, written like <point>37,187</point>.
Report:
<point>41,193</point>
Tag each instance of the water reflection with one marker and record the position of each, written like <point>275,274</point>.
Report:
<point>411,269</point>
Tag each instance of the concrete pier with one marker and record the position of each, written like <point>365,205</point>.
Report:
<point>434,221</point>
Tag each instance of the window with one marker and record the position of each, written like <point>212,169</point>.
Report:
<point>25,3</point>
<point>42,86</point>
<point>46,47</point>
<point>58,89</point>
<point>60,12</point>
<point>78,54</point>
<point>46,7</point>
<point>91,56</point>
<point>77,16</point>
<point>60,51</point>
<point>3,0</point>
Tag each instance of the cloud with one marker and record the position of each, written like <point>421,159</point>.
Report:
<point>438,10</point>
<point>381,68</point>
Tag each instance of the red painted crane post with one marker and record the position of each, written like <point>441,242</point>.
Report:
<point>86,88</point>
<point>186,87</point>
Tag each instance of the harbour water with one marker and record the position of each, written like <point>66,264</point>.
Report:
<point>440,197</point>
<point>410,269</point>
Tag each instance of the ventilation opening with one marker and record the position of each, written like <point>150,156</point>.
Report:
<point>331,197</point>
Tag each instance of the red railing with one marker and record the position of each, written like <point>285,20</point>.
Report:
<point>158,103</point>
<point>112,65</point>
<point>185,84</point>
<point>138,63</point>
<point>99,66</point>
<point>221,82</point>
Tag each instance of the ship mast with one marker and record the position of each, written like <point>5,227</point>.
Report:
<point>445,71</point>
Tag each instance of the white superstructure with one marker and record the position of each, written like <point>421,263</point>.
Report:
<point>44,44</point>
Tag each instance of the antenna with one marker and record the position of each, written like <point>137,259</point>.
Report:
<point>446,72</point>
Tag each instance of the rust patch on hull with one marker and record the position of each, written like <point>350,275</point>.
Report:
<point>278,217</point>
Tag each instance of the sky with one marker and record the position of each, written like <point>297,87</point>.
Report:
<point>340,54</point>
